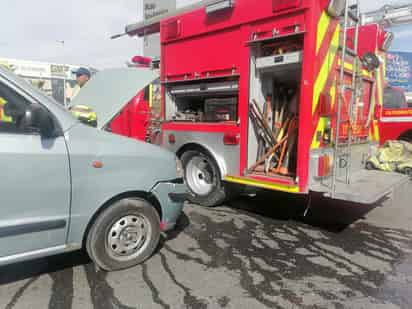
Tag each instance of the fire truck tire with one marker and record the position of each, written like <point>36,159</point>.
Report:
<point>408,171</point>
<point>369,166</point>
<point>124,234</point>
<point>406,137</point>
<point>202,176</point>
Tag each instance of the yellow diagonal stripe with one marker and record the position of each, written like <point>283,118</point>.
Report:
<point>318,133</point>
<point>323,120</point>
<point>327,66</point>
<point>379,83</point>
<point>376,127</point>
<point>323,25</point>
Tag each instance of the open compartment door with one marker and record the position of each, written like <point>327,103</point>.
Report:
<point>275,84</point>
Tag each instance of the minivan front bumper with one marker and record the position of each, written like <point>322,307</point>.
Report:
<point>171,195</point>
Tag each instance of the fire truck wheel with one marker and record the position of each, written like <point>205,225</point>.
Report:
<point>124,235</point>
<point>408,171</point>
<point>369,166</point>
<point>406,138</point>
<point>202,176</point>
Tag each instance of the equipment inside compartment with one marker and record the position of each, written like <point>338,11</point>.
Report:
<point>213,109</point>
<point>276,129</point>
<point>205,102</point>
<point>274,109</point>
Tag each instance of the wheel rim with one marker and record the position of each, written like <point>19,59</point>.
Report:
<point>128,237</point>
<point>200,176</point>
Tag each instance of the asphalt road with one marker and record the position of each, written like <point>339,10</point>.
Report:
<point>257,252</point>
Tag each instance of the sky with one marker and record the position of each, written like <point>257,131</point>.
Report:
<point>35,30</point>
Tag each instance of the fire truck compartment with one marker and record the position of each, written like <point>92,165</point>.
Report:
<point>207,101</point>
<point>275,78</point>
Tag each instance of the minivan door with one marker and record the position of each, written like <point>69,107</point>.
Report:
<point>34,182</point>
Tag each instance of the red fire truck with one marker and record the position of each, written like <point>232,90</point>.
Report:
<point>272,94</point>
<point>393,115</point>
<point>139,118</point>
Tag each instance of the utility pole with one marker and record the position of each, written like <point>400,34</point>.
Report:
<point>64,76</point>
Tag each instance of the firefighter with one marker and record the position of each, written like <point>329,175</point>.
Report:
<point>84,113</point>
<point>82,77</point>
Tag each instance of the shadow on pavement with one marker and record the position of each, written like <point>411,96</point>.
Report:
<point>41,266</point>
<point>327,214</point>
<point>286,261</point>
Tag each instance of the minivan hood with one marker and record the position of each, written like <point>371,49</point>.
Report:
<point>108,91</point>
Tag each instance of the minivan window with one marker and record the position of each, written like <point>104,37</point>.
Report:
<point>12,110</point>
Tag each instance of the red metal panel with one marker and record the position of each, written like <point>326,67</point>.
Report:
<point>198,22</point>
<point>193,58</point>
<point>134,119</point>
<point>283,24</point>
<point>393,130</point>
<point>280,5</point>
<point>280,180</point>
<point>171,29</point>
<point>371,38</point>
<point>209,45</point>
<point>306,123</point>
<point>394,123</point>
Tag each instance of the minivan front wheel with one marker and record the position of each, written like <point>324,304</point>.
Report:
<point>124,235</point>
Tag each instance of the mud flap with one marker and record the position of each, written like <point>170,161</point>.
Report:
<point>368,187</point>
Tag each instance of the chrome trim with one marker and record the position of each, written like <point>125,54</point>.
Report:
<point>204,88</point>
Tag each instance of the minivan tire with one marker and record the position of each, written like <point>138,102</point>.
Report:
<point>124,234</point>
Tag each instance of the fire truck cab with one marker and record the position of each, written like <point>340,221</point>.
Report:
<point>393,116</point>
<point>270,94</point>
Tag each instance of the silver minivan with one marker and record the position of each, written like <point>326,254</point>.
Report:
<point>66,186</point>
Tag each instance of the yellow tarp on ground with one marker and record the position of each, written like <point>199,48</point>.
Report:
<point>393,156</point>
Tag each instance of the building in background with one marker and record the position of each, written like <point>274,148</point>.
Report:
<point>56,80</point>
<point>152,8</point>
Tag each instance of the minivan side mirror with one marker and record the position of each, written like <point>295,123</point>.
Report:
<point>38,118</point>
